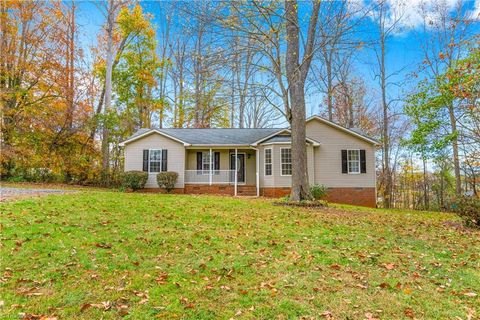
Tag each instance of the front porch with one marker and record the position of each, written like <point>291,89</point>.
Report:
<point>214,170</point>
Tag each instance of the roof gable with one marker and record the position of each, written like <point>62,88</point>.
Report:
<point>354,132</point>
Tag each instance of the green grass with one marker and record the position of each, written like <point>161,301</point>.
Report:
<point>203,257</point>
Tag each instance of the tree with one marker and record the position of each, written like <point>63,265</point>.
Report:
<point>387,24</point>
<point>296,73</point>
<point>442,43</point>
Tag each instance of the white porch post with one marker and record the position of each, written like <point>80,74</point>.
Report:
<point>236,170</point>
<point>210,171</point>
<point>258,171</point>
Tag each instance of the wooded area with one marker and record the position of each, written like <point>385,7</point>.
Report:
<point>67,106</point>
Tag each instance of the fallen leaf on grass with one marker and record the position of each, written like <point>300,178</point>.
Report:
<point>29,316</point>
<point>162,278</point>
<point>103,245</point>
<point>369,316</point>
<point>34,292</point>
<point>186,303</point>
<point>384,285</point>
<point>389,266</point>
<point>470,294</point>
<point>105,305</point>
<point>409,313</point>
<point>327,315</point>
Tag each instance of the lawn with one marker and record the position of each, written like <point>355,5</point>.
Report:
<point>96,254</point>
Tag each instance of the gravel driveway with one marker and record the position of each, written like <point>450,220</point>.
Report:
<point>9,193</point>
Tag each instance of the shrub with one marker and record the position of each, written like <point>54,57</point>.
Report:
<point>468,208</point>
<point>167,180</point>
<point>318,191</point>
<point>134,180</point>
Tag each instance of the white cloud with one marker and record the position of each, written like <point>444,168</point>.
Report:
<point>412,14</point>
<point>475,13</point>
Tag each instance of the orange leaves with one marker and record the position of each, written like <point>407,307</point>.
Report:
<point>162,278</point>
<point>389,266</point>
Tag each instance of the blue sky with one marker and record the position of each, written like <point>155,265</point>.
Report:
<point>403,51</point>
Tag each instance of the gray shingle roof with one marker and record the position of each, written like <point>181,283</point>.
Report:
<point>220,136</point>
<point>279,138</point>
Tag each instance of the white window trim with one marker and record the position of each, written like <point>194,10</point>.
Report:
<point>281,171</point>
<point>265,162</point>
<point>210,164</point>
<point>161,160</point>
<point>359,162</point>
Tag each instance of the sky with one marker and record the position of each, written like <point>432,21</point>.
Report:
<point>403,51</point>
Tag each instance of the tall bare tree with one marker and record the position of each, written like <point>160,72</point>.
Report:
<point>296,72</point>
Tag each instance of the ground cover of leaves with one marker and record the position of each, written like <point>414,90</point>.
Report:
<point>110,255</point>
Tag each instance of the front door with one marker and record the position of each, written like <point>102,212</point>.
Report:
<point>240,167</point>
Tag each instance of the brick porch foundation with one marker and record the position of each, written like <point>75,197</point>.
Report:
<point>356,196</point>
<point>242,190</point>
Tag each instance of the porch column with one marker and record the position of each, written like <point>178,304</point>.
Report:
<point>210,171</point>
<point>236,170</point>
<point>257,159</point>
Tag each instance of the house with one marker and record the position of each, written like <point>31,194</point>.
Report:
<point>257,162</point>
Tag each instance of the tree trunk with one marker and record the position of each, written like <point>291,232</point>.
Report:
<point>425,186</point>
<point>328,61</point>
<point>300,186</point>
<point>456,161</point>
<point>108,84</point>
<point>387,175</point>
<point>296,75</point>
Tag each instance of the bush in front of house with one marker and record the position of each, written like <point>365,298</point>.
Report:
<point>134,180</point>
<point>318,191</point>
<point>468,208</point>
<point>167,180</point>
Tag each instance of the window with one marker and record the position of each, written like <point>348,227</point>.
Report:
<point>268,162</point>
<point>286,161</point>
<point>155,161</point>
<point>353,161</point>
<point>206,162</point>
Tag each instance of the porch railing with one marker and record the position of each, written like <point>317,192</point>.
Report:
<point>210,177</point>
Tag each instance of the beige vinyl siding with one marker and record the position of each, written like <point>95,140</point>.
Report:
<point>250,170</point>
<point>276,179</point>
<point>328,158</point>
<point>176,157</point>
<point>266,181</point>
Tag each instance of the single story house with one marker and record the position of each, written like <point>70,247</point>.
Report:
<point>257,162</point>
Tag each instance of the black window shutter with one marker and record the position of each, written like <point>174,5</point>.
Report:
<point>164,159</point>
<point>199,161</point>
<point>363,162</point>
<point>145,160</point>
<point>216,163</point>
<point>344,161</point>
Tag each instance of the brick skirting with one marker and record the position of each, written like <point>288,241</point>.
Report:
<point>274,192</point>
<point>242,190</point>
<point>355,196</point>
